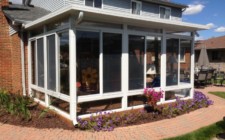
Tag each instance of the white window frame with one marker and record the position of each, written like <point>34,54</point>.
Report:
<point>93,4</point>
<point>137,2</point>
<point>166,8</point>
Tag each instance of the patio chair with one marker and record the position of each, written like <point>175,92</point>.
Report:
<point>219,78</point>
<point>201,79</point>
<point>209,76</point>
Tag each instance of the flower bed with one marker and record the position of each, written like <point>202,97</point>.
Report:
<point>108,121</point>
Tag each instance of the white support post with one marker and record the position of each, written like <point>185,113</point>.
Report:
<point>47,99</point>
<point>192,64</point>
<point>125,67</point>
<point>22,63</point>
<point>101,63</point>
<point>72,65</point>
<point>163,65</point>
<point>29,67</point>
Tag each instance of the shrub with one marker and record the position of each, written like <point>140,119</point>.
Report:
<point>15,104</point>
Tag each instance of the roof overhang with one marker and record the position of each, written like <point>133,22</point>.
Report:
<point>96,14</point>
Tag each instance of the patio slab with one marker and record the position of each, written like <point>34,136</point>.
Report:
<point>155,130</point>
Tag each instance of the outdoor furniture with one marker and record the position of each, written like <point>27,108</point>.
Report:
<point>200,79</point>
<point>209,76</point>
<point>219,78</point>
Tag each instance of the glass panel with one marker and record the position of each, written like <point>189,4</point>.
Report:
<point>97,106</point>
<point>89,2</point>
<point>172,62</point>
<point>98,3</point>
<point>182,93</point>
<point>64,63</point>
<point>162,12</point>
<point>87,63</point>
<point>167,13</point>
<point>40,58</point>
<point>136,100</point>
<point>136,62</point>
<point>33,61</point>
<point>51,63</point>
<point>185,61</point>
<point>153,61</point>
<point>60,104</point>
<point>39,95</point>
<point>134,7</point>
<point>112,51</point>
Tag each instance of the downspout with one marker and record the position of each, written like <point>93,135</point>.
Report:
<point>22,62</point>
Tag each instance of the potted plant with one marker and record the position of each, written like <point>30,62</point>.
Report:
<point>153,96</point>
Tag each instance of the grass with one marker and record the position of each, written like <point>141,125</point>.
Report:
<point>205,133</point>
<point>220,94</point>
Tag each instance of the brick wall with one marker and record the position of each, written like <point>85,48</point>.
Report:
<point>10,56</point>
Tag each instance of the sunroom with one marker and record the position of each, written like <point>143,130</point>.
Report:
<point>83,60</point>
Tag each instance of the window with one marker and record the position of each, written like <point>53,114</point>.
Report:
<point>164,12</point>
<point>94,3</point>
<point>185,56</point>
<point>136,62</point>
<point>153,61</point>
<point>51,63</point>
<point>217,56</point>
<point>172,62</point>
<point>112,52</point>
<point>136,7</point>
<point>64,62</point>
<point>40,62</point>
<point>88,52</point>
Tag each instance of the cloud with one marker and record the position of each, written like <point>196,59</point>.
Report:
<point>211,25</point>
<point>220,29</point>
<point>194,9</point>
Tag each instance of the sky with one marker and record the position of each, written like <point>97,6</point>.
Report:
<point>206,12</point>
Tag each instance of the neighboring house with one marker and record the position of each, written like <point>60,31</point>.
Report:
<point>84,56</point>
<point>215,49</point>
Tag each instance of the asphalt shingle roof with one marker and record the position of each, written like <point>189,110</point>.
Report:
<point>212,43</point>
<point>23,14</point>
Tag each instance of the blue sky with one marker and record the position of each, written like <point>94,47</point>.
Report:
<point>207,12</point>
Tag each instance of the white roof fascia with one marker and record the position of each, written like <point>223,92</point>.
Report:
<point>115,14</point>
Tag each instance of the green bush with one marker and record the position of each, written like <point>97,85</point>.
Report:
<point>15,104</point>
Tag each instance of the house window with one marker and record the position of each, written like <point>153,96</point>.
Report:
<point>164,12</point>
<point>94,3</point>
<point>88,52</point>
<point>64,62</point>
<point>51,63</point>
<point>136,62</point>
<point>136,7</point>
<point>112,53</point>
<point>216,56</point>
<point>40,62</point>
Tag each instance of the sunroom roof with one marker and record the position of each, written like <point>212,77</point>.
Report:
<point>117,17</point>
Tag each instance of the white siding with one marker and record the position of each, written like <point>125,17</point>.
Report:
<point>68,2</point>
<point>13,29</point>
<point>51,5</point>
<point>117,5</point>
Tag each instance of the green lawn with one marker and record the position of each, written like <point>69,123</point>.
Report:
<point>220,94</point>
<point>205,133</point>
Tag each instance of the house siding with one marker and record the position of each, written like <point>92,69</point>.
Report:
<point>176,14</point>
<point>117,5</point>
<point>50,5</point>
<point>150,10</point>
<point>79,2</point>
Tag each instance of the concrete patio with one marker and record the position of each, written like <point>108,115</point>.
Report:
<point>156,130</point>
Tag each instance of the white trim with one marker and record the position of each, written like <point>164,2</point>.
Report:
<point>182,60</point>
<point>163,65</point>
<point>125,16</point>
<point>29,68</point>
<point>72,71</point>
<point>22,63</point>
<point>192,64</point>
<point>101,63</point>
